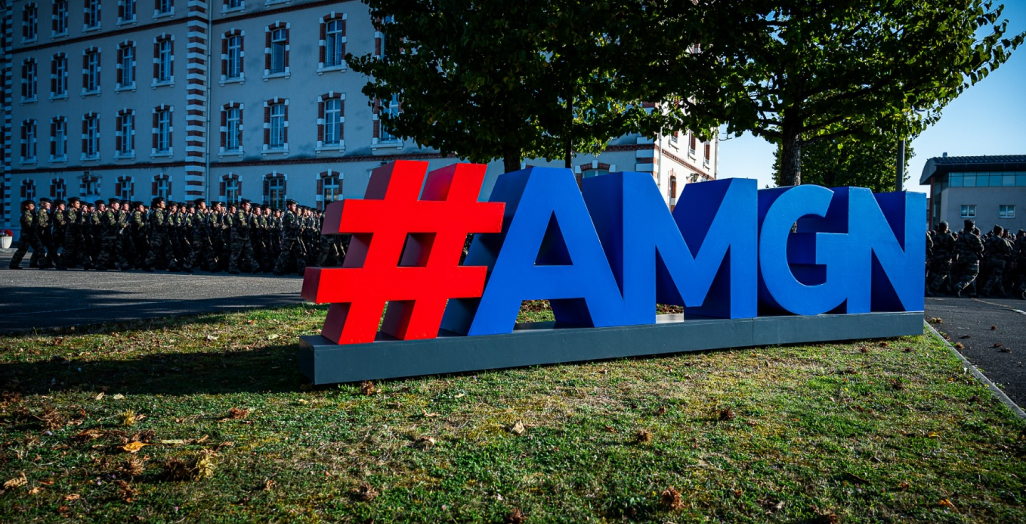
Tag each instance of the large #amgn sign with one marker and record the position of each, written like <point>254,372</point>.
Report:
<point>606,252</point>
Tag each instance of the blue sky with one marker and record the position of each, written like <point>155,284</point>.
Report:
<point>987,119</point>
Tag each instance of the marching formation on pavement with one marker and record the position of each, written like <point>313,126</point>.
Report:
<point>172,236</point>
<point>966,264</point>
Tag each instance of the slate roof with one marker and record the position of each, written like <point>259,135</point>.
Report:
<point>946,164</point>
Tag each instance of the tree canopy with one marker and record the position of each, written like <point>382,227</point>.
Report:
<point>798,72</point>
<point>850,161</point>
<point>487,80</point>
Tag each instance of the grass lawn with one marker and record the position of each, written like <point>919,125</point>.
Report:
<point>207,418</point>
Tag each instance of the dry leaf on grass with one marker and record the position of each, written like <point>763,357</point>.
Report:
<point>642,436</point>
<point>236,414</point>
<point>517,428</point>
<point>516,517</point>
<point>1006,350</point>
<point>958,345</point>
<point>197,467</point>
<point>133,467</point>
<point>212,337</point>
<point>365,492</point>
<point>88,434</point>
<point>947,503</point>
<point>426,442</point>
<point>35,491</point>
<point>727,414</point>
<point>125,490</point>
<point>671,499</point>
<point>273,337</point>
<point>99,396</point>
<point>367,388</point>
<point>73,497</point>
<point>429,415</point>
<point>661,410</point>
<point>133,447</point>
<point>126,418</point>
<point>16,482</point>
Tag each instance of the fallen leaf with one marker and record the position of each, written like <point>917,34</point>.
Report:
<point>997,344</point>
<point>126,418</point>
<point>428,415</point>
<point>671,499</point>
<point>933,434</point>
<point>992,328</point>
<point>72,497</point>
<point>1006,350</point>
<point>16,482</point>
<point>269,485</point>
<point>516,517</point>
<point>611,429</point>
<point>367,388</point>
<point>958,345</point>
<point>236,414</point>
<point>272,337</point>
<point>517,428</point>
<point>884,344</point>
<point>35,491</point>
<point>173,441</point>
<point>661,410</point>
<point>727,414</point>
<point>133,447</point>
<point>426,441</point>
<point>903,486</point>
<point>119,396</point>
<point>99,396</point>
<point>365,492</point>
<point>947,503</point>
<point>212,337</point>
<point>642,436</point>
<point>88,434</point>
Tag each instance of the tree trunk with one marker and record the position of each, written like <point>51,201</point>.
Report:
<point>791,158</point>
<point>511,161</point>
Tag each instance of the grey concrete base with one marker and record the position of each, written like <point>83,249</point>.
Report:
<point>325,362</point>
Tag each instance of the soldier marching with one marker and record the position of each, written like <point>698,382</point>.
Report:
<point>970,264</point>
<point>174,236</point>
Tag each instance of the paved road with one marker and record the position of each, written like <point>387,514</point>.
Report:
<point>969,321</point>
<point>33,299</point>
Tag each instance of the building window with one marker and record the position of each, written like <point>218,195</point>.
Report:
<point>387,109</point>
<point>692,144</point>
<point>91,71</point>
<point>232,5</point>
<point>331,116</point>
<point>89,185</point>
<point>161,186</point>
<point>29,23</point>
<point>708,151</point>
<point>163,60</point>
<point>968,211</point>
<point>164,8</point>
<point>126,65</point>
<point>126,134</point>
<point>231,189</point>
<point>329,188</point>
<point>58,139</point>
<point>59,76</point>
<point>1006,211</point>
<point>92,14</point>
<point>231,128</point>
<point>276,57</point>
<point>124,188</point>
<point>29,79</point>
<point>126,11</point>
<point>91,137</point>
<point>162,130</point>
<point>333,41</point>
<point>60,18</point>
<point>28,189</point>
<point>58,189</point>
<point>232,59</point>
<point>28,141</point>
<point>276,124</point>
<point>274,190</point>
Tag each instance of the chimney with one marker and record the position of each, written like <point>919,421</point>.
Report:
<point>945,154</point>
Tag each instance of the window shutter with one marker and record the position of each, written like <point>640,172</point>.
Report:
<point>153,188</point>
<point>341,124</point>
<point>707,151</point>
<point>285,125</point>
<point>156,120</point>
<point>267,48</point>
<point>121,10</point>
<point>120,74</point>
<point>53,75</point>
<point>267,189</point>
<point>171,57</point>
<point>118,130</point>
<point>324,43</point>
<point>24,141</point>
<point>53,17</point>
<point>224,53</point>
<point>267,124</point>
<point>222,188</point>
<point>24,80</point>
<point>53,138</point>
<point>85,70</point>
<point>320,127</point>
<point>286,50</point>
<point>156,59</point>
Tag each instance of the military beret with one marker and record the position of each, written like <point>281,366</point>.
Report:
<point>157,200</point>
<point>969,223</point>
<point>25,203</point>
<point>1021,231</point>
<point>113,200</point>
<point>72,200</point>
<point>44,200</point>
<point>199,201</point>
<point>101,203</point>
<point>243,202</point>
<point>289,202</point>
<point>58,202</point>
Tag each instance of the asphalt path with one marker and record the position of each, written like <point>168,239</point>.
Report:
<point>39,299</point>
<point>992,332</point>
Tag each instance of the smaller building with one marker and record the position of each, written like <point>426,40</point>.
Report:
<point>988,189</point>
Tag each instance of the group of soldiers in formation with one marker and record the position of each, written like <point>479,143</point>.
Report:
<point>968,264</point>
<point>252,238</point>
<point>175,236</point>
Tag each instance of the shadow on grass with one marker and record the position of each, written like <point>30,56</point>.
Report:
<point>268,369</point>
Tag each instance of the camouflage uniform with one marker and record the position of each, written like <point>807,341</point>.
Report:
<point>940,262</point>
<point>137,224</point>
<point>60,230</point>
<point>160,245</point>
<point>203,250</point>
<point>969,250</point>
<point>293,253</point>
<point>242,249</point>
<point>72,255</point>
<point>111,241</point>
<point>28,237</point>
<point>999,257</point>
<point>43,258</point>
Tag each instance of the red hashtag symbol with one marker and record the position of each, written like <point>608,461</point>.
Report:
<point>416,287</point>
